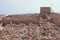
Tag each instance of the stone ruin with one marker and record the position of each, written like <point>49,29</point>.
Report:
<point>45,11</point>
<point>43,26</point>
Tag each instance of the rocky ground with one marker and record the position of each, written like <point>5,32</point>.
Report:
<point>46,31</point>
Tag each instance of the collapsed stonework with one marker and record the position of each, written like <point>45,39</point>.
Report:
<point>43,26</point>
<point>46,31</point>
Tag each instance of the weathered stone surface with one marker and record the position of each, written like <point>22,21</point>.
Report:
<point>46,31</point>
<point>55,18</point>
<point>31,27</point>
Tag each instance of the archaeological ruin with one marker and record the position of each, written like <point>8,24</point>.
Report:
<point>42,26</point>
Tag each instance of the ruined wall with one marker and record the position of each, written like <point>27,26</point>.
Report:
<point>55,18</point>
<point>45,9</point>
<point>20,19</point>
<point>47,29</point>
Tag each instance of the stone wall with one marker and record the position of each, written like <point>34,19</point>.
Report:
<point>20,19</point>
<point>55,18</point>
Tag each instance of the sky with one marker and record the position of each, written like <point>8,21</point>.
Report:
<point>27,6</point>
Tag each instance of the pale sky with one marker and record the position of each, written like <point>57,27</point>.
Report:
<point>27,6</point>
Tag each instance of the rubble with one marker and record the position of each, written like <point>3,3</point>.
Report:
<point>46,31</point>
<point>32,27</point>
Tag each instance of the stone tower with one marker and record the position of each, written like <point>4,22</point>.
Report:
<point>45,11</point>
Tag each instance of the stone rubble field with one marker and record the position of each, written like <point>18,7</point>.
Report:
<point>46,31</point>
